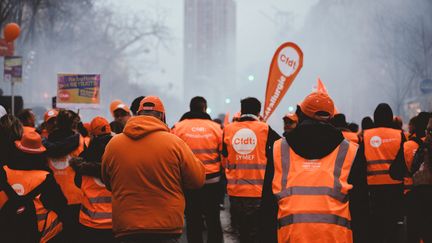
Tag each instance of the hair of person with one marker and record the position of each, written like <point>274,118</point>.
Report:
<point>25,116</point>
<point>157,114</point>
<point>367,123</point>
<point>136,104</point>
<point>66,120</point>
<point>250,105</point>
<point>198,104</point>
<point>11,128</point>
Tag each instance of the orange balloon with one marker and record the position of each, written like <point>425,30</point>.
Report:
<point>11,31</point>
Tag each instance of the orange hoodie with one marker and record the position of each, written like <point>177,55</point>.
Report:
<point>146,168</point>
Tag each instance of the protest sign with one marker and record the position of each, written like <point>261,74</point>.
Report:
<point>78,91</point>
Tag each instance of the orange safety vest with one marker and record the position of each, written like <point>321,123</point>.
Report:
<point>246,162</point>
<point>96,207</point>
<point>23,182</point>
<point>351,136</point>
<point>65,175</point>
<point>381,148</point>
<point>204,137</point>
<point>410,148</point>
<point>313,194</point>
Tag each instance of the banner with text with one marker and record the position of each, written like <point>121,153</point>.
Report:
<point>285,65</point>
<point>78,91</point>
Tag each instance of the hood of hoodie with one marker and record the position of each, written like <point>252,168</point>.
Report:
<point>140,126</point>
<point>313,139</point>
<point>61,143</point>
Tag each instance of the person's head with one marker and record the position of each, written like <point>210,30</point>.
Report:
<point>114,105</point>
<point>250,105</point>
<point>420,124</point>
<point>353,127</point>
<point>135,105</point>
<point>383,116</point>
<point>317,106</point>
<point>27,117</point>
<point>367,123</point>
<point>152,106</point>
<point>290,122</point>
<point>397,122</point>
<point>50,120</point>
<point>339,121</point>
<point>198,104</point>
<point>11,129</point>
<point>99,126</point>
<point>66,120</point>
<point>122,113</point>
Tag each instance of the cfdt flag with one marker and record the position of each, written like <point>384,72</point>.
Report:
<point>285,65</point>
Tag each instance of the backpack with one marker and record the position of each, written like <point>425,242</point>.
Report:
<point>18,220</point>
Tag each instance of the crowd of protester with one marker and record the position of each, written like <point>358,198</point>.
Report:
<point>135,179</point>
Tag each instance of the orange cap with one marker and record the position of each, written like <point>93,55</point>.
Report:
<point>50,114</point>
<point>291,116</point>
<point>31,142</point>
<point>151,103</point>
<point>122,106</point>
<point>113,105</point>
<point>99,126</point>
<point>318,102</point>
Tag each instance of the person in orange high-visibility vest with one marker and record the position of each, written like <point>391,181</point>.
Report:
<point>383,146</point>
<point>63,144</point>
<point>26,174</point>
<point>402,169</point>
<point>96,208</point>
<point>204,137</point>
<point>309,180</point>
<point>246,150</point>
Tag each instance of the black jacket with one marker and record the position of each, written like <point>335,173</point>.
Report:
<point>311,140</point>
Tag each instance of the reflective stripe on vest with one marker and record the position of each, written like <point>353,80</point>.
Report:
<point>314,218</point>
<point>246,166</point>
<point>100,200</point>
<point>96,215</point>
<point>334,192</point>
<point>245,181</point>
<point>205,151</point>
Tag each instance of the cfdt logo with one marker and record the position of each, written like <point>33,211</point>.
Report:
<point>60,163</point>
<point>375,141</point>
<point>288,60</point>
<point>244,141</point>
<point>18,188</point>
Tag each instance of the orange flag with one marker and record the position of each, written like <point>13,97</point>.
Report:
<point>285,65</point>
<point>321,88</point>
